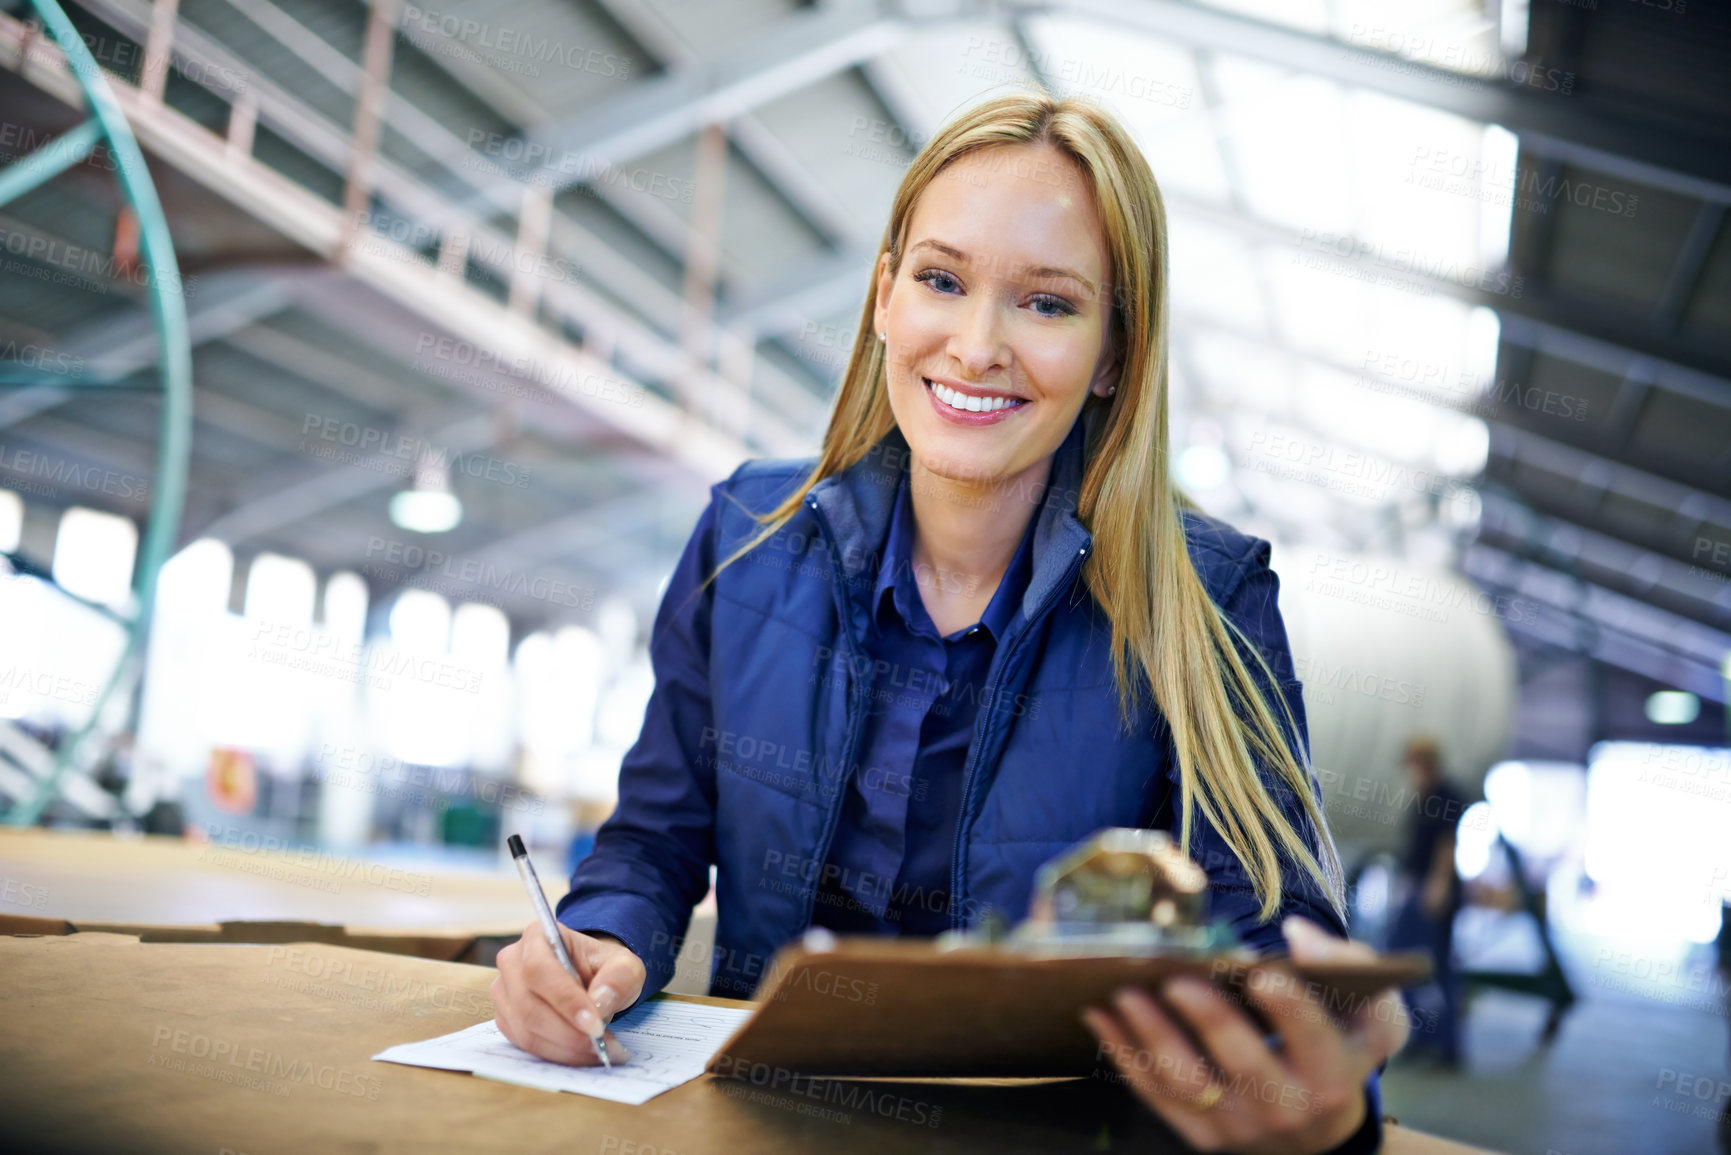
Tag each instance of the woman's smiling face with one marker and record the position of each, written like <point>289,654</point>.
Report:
<point>998,317</point>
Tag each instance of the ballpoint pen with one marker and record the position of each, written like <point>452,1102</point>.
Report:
<point>526,871</point>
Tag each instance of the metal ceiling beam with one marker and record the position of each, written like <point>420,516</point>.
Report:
<point>786,173</point>
<point>1691,259</point>
<point>1689,158</point>
<point>396,271</point>
<point>1616,563</point>
<point>777,407</point>
<point>794,53</point>
<point>123,341</point>
<point>1685,365</point>
<point>1588,619</point>
<point>1690,509</point>
<point>390,333</point>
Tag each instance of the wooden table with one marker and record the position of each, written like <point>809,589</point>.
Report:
<point>97,877</point>
<point>114,1044</point>
<point>235,890</point>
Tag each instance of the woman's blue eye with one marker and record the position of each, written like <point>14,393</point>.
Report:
<point>933,276</point>
<point>1063,308</point>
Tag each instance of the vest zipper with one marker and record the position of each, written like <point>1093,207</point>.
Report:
<point>859,691</point>
<point>971,767</point>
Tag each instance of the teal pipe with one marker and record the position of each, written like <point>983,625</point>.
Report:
<point>168,312</point>
<point>49,161</point>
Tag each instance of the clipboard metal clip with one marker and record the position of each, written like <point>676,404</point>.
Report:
<point>1123,892</point>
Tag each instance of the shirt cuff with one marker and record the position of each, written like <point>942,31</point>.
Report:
<point>634,921</point>
<point>1367,1140</point>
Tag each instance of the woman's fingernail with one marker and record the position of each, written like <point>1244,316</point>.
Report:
<point>605,999</point>
<point>617,1051</point>
<point>588,1022</point>
<point>1187,991</point>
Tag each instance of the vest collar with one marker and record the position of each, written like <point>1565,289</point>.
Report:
<point>858,503</point>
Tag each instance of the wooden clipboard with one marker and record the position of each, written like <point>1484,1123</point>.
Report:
<point>880,1007</point>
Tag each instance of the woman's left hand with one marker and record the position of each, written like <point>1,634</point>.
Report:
<point>1239,1095</point>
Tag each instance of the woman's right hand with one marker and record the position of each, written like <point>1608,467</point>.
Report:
<point>543,1010</point>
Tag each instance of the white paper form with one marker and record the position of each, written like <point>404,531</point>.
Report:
<point>670,1042</point>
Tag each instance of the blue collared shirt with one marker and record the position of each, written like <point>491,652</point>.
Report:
<point>889,867</point>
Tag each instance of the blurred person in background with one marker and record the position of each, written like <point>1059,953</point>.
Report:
<point>1426,918</point>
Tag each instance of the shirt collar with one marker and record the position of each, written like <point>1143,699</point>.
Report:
<point>896,585</point>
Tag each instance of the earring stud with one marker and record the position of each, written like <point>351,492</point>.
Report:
<point>884,336</point>
<point>1111,389</point>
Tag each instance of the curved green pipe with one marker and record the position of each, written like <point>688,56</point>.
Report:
<point>168,311</point>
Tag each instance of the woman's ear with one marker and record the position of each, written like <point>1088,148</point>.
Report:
<point>1109,365</point>
<point>1106,372</point>
<point>881,313</point>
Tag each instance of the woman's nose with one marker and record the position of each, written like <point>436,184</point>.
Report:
<point>978,345</point>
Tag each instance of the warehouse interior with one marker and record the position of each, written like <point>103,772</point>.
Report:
<point>480,301</point>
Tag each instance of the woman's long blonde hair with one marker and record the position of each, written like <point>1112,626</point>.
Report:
<point>1166,631</point>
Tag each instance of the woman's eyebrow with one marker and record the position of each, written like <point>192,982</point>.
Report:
<point>1034,270</point>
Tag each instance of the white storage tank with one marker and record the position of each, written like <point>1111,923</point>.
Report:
<point>1388,650</point>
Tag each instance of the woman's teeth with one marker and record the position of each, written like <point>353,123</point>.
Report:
<point>968,403</point>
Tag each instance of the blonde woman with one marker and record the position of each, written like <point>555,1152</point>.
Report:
<point>982,624</point>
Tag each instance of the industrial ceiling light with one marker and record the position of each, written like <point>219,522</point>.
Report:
<point>1673,708</point>
<point>428,505</point>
